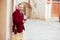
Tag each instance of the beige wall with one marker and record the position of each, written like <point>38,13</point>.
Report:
<point>39,11</point>
<point>41,7</point>
<point>3,19</point>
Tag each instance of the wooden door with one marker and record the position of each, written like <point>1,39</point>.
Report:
<point>55,10</point>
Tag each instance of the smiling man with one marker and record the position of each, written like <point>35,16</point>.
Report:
<point>18,21</point>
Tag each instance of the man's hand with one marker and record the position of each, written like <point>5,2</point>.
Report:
<point>24,21</point>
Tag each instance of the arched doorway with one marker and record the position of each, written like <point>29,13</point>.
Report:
<point>27,9</point>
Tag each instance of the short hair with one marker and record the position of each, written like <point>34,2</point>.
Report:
<point>19,4</point>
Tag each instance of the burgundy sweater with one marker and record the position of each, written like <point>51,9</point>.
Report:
<point>18,21</point>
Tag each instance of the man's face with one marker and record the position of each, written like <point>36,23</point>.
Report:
<point>20,7</point>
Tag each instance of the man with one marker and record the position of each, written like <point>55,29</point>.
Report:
<point>18,20</point>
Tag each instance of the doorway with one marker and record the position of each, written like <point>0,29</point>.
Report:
<point>55,10</point>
